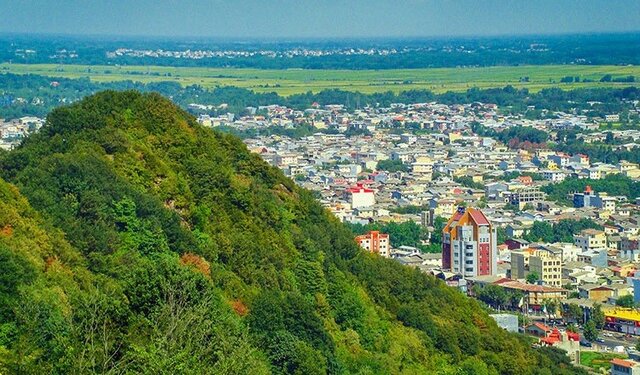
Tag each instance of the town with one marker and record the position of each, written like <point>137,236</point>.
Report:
<point>491,218</point>
<point>438,188</point>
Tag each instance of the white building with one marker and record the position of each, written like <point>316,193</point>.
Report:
<point>359,196</point>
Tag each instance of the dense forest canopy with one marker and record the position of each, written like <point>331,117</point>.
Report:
<point>133,240</point>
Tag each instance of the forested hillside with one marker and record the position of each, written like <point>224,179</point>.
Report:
<point>133,240</point>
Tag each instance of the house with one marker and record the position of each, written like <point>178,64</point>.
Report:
<point>591,239</point>
<point>554,175</point>
<point>567,341</point>
<point>534,295</point>
<point>537,329</point>
<point>630,249</point>
<point>594,292</point>
<point>515,243</point>
<point>624,367</point>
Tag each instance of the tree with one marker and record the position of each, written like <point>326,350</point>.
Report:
<point>540,231</point>
<point>590,331</point>
<point>532,277</point>
<point>493,295</point>
<point>574,294</point>
<point>597,316</point>
<point>392,166</point>
<point>609,138</point>
<point>625,301</point>
<point>573,312</point>
<point>551,305</point>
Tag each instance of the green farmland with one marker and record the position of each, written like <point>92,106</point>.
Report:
<point>287,82</point>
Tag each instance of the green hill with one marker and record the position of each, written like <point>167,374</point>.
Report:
<point>137,241</point>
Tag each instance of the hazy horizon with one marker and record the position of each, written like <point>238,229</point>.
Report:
<point>332,19</point>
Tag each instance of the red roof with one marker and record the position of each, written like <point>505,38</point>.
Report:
<point>479,217</point>
<point>541,326</point>
<point>623,363</point>
<point>359,189</point>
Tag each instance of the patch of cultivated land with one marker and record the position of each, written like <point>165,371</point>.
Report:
<point>292,81</point>
<point>598,361</point>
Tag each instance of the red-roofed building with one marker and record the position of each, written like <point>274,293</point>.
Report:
<point>567,341</point>
<point>375,242</point>
<point>624,367</point>
<point>538,329</point>
<point>525,180</point>
<point>469,244</point>
<point>360,196</point>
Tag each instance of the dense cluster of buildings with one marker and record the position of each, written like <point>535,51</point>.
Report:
<point>13,131</point>
<point>235,53</point>
<point>374,164</point>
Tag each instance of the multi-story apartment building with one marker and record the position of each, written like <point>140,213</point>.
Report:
<point>591,239</point>
<point>529,195</point>
<point>590,199</point>
<point>548,265</point>
<point>375,242</point>
<point>469,244</point>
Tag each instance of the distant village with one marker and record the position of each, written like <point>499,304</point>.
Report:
<point>13,131</point>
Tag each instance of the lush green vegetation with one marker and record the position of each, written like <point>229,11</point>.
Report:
<point>562,231</point>
<point>40,94</point>
<point>392,166</point>
<point>598,361</point>
<point>298,81</point>
<point>468,182</point>
<point>614,184</point>
<point>133,240</point>
<point>626,301</point>
<point>607,151</point>
<point>516,136</point>
<point>407,233</point>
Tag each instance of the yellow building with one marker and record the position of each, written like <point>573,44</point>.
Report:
<point>548,266</point>
<point>591,239</point>
<point>622,320</point>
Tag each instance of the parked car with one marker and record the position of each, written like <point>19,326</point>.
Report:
<point>585,343</point>
<point>600,340</point>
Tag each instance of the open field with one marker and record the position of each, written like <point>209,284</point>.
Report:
<point>598,361</point>
<point>287,82</point>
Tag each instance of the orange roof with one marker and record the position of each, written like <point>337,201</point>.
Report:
<point>623,363</point>
<point>542,326</point>
<point>464,216</point>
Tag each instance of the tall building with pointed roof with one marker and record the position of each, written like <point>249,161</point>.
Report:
<point>469,244</point>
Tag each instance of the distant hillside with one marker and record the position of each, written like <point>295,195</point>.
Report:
<point>145,243</point>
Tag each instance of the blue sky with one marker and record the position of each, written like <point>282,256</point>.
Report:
<point>318,19</point>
